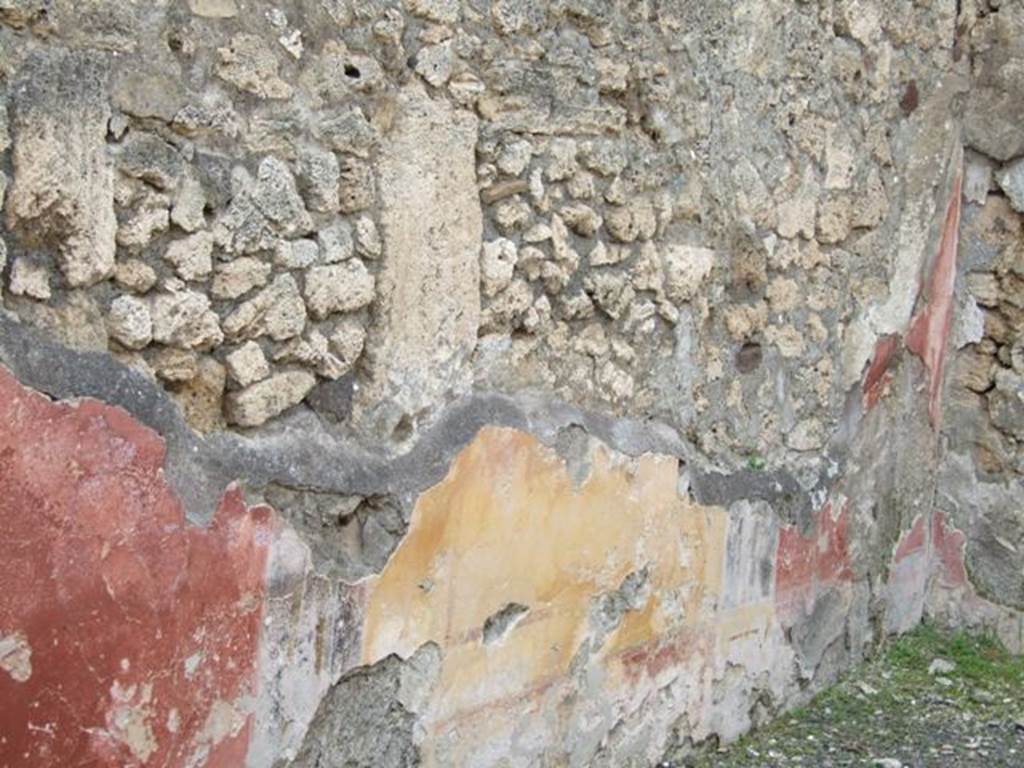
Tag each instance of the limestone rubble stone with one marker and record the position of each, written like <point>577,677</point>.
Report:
<point>192,256</point>
<point>250,65</point>
<point>277,311</point>
<point>214,9</point>
<point>129,322</point>
<point>266,399</point>
<point>201,396</point>
<point>343,287</point>
<point>175,365</point>
<point>318,179</point>
<point>497,265</point>
<point>140,227</point>
<point>336,243</point>
<point>134,275</point>
<point>183,318</point>
<point>347,341</point>
<point>247,364</point>
<point>686,268</point>
<point>187,211</point>
<point>368,241</point>
<point>62,190</point>
<point>313,352</point>
<point>296,254</point>
<point>1011,181</point>
<point>428,287</point>
<point>236,278</point>
<point>151,159</point>
<point>29,278</point>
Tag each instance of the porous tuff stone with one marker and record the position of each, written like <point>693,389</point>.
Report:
<point>266,399</point>
<point>63,187</point>
<point>428,287</point>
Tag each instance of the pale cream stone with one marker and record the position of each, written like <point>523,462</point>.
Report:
<point>429,284</point>
<point>247,364</point>
<point>497,265</point>
<point>192,256</point>
<point>183,318</point>
<point>30,279</point>
<point>343,287</point>
<point>214,9</point>
<point>238,277</point>
<point>686,268</point>
<point>277,311</point>
<point>266,399</point>
<point>129,322</point>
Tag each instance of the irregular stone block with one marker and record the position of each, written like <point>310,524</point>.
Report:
<point>429,284</point>
<point>1006,403</point>
<point>266,399</point>
<point>150,158</point>
<point>238,277</point>
<point>129,322</point>
<point>343,287</point>
<point>31,279</point>
<point>250,65</point>
<point>318,179</point>
<point>214,9</point>
<point>62,194</point>
<point>277,311</point>
<point>184,318</point>
<point>200,397</point>
<point>686,268</point>
<point>1011,181</point>
<point>441,11</point>
<point>247,364</point>
<point>336,243</point>
<point>191,257</point>
<point>135,276</point>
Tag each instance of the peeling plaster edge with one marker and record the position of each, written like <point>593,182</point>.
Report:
<point>298,450</point>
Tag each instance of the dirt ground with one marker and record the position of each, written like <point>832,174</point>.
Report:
<point>930,699</point>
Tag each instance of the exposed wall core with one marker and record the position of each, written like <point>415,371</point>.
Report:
<point>495,382</point>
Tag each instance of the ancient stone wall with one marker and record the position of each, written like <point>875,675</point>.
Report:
<point>495,382</point>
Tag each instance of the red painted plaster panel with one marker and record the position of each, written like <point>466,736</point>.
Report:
<point>141,629</point>
<point>949,552</point>
<point>806,566</point>
<point>672,652</point>
<point>878,375</point>
<point>929,330</point>
<point>908,578</point>
<point>914,541</point>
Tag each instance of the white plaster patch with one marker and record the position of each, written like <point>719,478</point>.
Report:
<point>128,719</point>
<point>16,657</point>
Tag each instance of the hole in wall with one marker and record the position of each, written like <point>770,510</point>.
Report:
<point>910,98</point>
<point>403,429</point>
<point>501,622</point>
<point>749,357</point>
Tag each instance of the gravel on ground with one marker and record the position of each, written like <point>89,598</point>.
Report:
<point>930,699</point>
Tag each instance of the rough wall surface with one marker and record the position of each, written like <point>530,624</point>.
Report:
<point>495,382</point>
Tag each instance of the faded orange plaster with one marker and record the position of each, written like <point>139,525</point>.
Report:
<point>507,525</point>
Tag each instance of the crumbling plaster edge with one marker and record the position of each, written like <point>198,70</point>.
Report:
<point>299,451</point>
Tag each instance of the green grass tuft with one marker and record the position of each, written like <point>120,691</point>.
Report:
<point>891,705</point>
